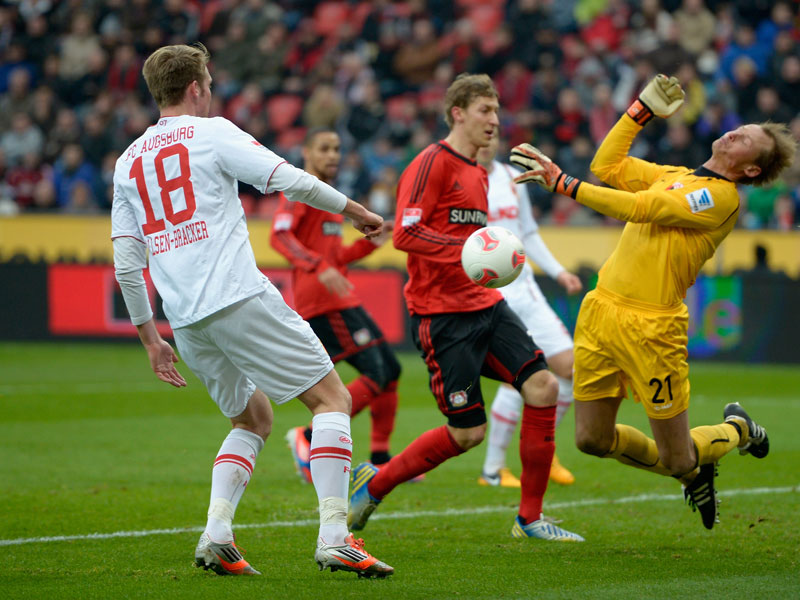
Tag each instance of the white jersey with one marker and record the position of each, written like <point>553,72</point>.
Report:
<point>510,207</point>
<point>175,190</point>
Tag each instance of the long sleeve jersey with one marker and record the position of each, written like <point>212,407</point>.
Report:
<point>677,217</point>
<point>441,200</point>
<point>311,240</point>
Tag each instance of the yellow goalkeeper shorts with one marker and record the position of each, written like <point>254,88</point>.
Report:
<point>620,342</point>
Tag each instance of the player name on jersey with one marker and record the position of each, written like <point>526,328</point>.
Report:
<point>178,237</point>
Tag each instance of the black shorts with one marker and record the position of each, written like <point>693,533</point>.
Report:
<point>460,347</point>
<point>351,335</point>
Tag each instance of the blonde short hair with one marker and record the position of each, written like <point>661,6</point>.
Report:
<point>773,160</point>
<point>171,69</point>
<point>464,90</point>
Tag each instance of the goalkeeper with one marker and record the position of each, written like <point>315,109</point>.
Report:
<point>632,329</point>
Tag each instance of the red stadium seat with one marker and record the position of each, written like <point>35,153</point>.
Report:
<point>485,18</point>
<point>291,137</point>
<point>283,110</point>
<point>329,16</point>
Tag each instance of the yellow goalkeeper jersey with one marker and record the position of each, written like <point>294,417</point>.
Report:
<point>677,217</point>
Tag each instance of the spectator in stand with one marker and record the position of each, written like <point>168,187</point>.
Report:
<point>570,118</point>
<point>94,81</point>
<point>680,148</point>
<point>96,139</point>
<point>780,20</point>
<point>696,26</point>
<point>745,84</point>
<point>602,114</point>
<point>67,130</point>
<point>17,98</point>
<point>123,72</point>
<point>768,108</point>
<point>788,83</point>
<point>416,60</point>
<point>22,138</point>
<point>268,58</point>
<point>324,108</point>
<point>23,178</point>
<point>78,46</point>
<point>70,169</point>
<point>367,116</point>
<point>695,93</point>
<point>746,45</point>
<point>44,107</point>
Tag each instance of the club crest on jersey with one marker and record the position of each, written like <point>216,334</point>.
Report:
<point>700,200</point>
<point>458,398</point>
<point>411,216</point>
<point>362,337</point>
<point>675,186</point>
<point>468,216</point>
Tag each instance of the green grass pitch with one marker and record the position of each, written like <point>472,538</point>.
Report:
<point>92,443</point>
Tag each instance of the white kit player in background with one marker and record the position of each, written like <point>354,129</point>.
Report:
<point>510,207</point>
<point>176,195</point>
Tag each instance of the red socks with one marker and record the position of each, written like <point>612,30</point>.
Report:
<point>382,410</point>
<point>536,448</point>
<point>430,449</point>
<point>362,389</point>
<point>382,405</point>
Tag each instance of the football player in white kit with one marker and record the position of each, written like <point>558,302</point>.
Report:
<point>510,207</point>
<point>175,194</point>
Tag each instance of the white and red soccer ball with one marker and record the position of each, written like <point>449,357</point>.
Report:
<point>493,257</point>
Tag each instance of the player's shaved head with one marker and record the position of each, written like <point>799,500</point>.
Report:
<point>170,70</point>
<point>312,133</point>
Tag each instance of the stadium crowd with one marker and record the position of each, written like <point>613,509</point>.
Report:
<point>72,96</point>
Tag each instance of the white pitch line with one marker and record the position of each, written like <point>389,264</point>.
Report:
<point>451,512</point>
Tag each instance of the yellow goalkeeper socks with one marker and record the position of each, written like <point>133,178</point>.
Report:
<point>714,441</point>
<point>632,447</point>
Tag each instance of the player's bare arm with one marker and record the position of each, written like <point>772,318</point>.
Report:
<point>162,356</point>
<point>365,221</point>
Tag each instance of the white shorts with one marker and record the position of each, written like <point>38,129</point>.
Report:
<point>256,343</point>
<point>526,299</point>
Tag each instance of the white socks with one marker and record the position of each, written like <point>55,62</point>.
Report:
<point>503,419</point>
<point>330,457</point>
<point>232,470</point>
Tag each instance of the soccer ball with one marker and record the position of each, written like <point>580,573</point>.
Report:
<point>492,257</point>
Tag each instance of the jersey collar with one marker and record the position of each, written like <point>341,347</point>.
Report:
<point>703,172</point>
<point>450,149</point>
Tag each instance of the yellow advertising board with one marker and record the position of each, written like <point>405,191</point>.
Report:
<point>86,239</point>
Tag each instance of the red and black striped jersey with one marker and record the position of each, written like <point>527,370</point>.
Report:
<point>441,200</point>
<point>311,240</point>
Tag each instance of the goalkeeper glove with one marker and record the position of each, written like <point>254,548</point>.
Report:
<point>543,171</point>
<point>661,98</point>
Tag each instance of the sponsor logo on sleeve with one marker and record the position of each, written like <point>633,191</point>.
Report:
<point>283,222</point>
<point>411,216</point>
<point>700,200</point>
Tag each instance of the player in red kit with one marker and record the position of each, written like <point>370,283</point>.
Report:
<point>461,329</point>
<point>311,240</point>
